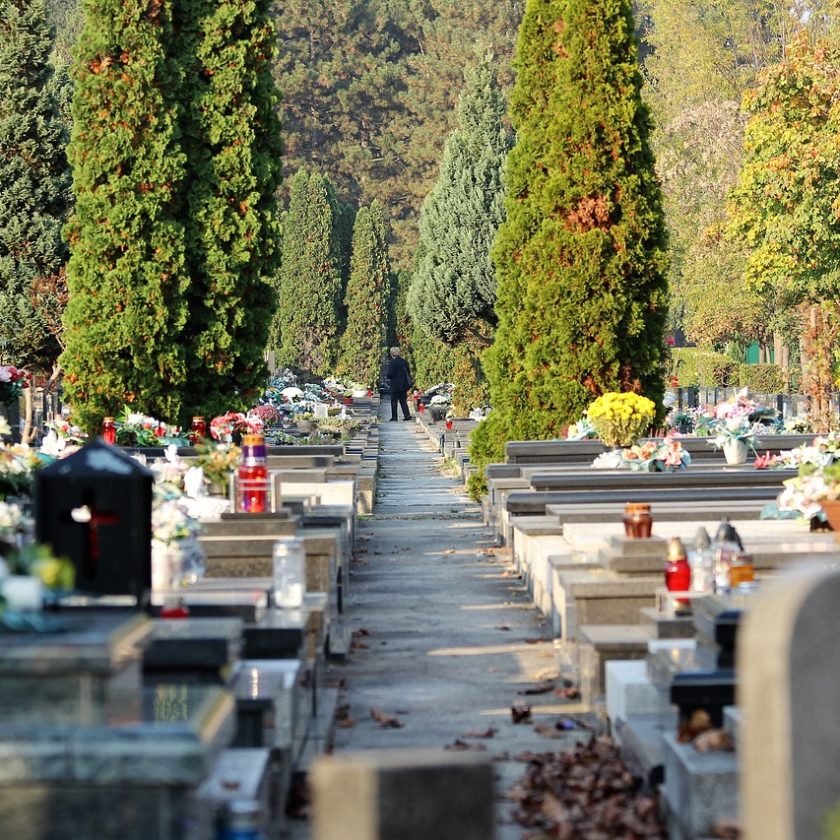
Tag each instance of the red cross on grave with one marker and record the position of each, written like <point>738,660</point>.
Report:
<point>92,518</point>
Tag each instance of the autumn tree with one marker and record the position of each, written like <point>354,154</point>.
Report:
<point>582,294</point>
<point>34,182</point>
<point>785,204</point>
<point>366,299</point>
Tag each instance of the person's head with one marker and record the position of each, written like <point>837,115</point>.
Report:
<point>395,351</point>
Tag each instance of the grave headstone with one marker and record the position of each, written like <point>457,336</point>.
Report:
<point>789,737</point>
<point>95,507</point>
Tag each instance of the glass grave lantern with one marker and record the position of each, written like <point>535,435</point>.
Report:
<point>95,508</point>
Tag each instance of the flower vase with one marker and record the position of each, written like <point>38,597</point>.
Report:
<point>831,509</point>
<point>735,451</point>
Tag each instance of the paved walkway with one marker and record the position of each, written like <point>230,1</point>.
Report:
<point>446,638</point>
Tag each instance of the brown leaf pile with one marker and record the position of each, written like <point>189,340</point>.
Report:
<point>386,721</point>
<point>586,794</point>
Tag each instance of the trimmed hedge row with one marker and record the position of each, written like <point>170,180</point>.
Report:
<point>705,368</point>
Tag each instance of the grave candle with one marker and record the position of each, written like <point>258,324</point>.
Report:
<point>677,570</point>
<point>109,430</point>
<point>253,475</point>
<point>198,430</point>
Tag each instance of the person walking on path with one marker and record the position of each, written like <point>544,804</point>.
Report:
<point>400,378</point>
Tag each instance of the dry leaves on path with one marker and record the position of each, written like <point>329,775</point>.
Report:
<point>587,792</point>
<point>386,721</point>
<point>459,746</point>
<point>538,689</point>
<point>490,732</point>
<point>715,740</point>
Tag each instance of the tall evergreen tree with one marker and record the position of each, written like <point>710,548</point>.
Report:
<point>455,283</point>
<point>310,283</point>
<point>127,275</point>
<point>366,300</point>
<point>231,136</point>
<point>582,295</point>
<point>34,181</point>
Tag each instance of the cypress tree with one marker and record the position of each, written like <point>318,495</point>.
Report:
<point>582,295</point>
<point>366,300</point>
<point>127,275</point>
<point>455,282</point>
<point>231,137</point>
<point>34,181</point>
<point>310,283</point>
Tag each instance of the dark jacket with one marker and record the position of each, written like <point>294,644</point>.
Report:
<point>398,374</point>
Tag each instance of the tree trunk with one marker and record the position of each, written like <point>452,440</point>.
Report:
<point>818,340</point>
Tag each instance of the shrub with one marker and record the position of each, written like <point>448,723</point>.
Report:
<point>704,368</point>
<point>764,379</point>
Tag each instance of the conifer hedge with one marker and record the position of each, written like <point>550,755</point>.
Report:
<point>175,152</point>
<point>582,294</point>
<point>34,181</point>
<point>310,285</point>
<point>128,273</point>
<point>366,300</point>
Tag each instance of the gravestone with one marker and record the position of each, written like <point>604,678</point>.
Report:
<point>95,507</point>
<point>789,738</point>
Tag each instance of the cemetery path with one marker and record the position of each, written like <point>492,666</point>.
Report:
<point>446,640</point>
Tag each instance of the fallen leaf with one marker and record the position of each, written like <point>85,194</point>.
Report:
<point>342,712</point>
<point>386,721</point>
<point>568,693</point>
<point>481,733</point>
<point>346,723</point>
<point>538,689</point>
<point>520,713</point>
<point>548,730</point>
<point>536,641</point>
<point>458,745</point>
<point>503,627</point>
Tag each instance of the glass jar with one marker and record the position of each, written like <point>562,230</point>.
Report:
<point>109,430</point>
<point>638,521</point>
<point>289,572</point>
<point>198,430</point>
<point>241,821</point>
<point>741,570</point>
<point>253,475</point>
<point>701,559</point>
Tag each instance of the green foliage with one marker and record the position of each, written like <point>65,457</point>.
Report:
<point>701,58</point>
<point>431,361</point>
<point>487,446</point>
<point>468,376</point>
<point>367,299</point>
<point>127,275</point>
<point>455,282</point>
<point>704,368</point>
<point>175,152</point>
<point>764,379</point>
<point>582,295</point>
<point>310,278</point>
<point>231,135</point>
<point>34,181</point>
<point>780,206</point>
<point>370,88</point>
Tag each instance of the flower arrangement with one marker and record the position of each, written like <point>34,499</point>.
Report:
<point>223,428</point>
<point>269,414</point>
<point>621,418</point>
<point>135,429</point>
<point>664,455</point>
<point>218,461</point>
<point>12,382</point>
<point>582,430</point>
